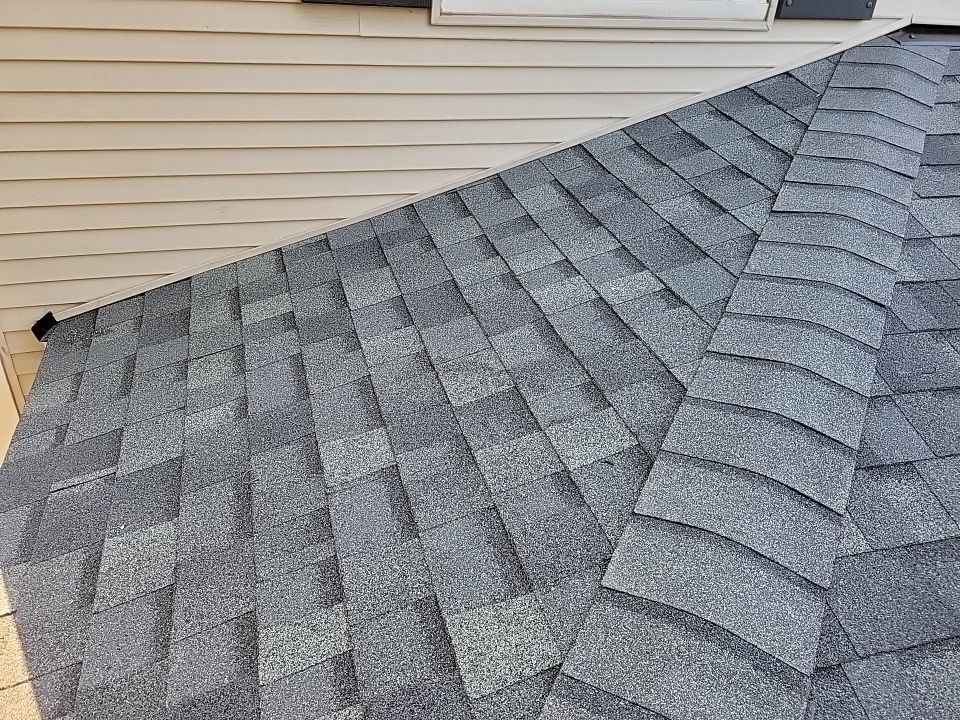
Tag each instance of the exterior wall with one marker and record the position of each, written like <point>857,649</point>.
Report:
<point>142,139</point>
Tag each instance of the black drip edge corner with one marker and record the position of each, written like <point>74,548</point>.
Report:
<point>44,325</point>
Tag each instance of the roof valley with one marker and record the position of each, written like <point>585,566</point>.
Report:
<point>729,554</point>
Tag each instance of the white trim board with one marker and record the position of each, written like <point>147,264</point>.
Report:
<point>729,14</point>
<point>883,29</point>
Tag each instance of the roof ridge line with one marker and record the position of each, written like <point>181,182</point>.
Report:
<point>814,462</point>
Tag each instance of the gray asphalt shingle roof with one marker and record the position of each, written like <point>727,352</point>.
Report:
<point>663,425</point>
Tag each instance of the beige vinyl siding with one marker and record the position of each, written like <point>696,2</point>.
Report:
<point>141,139</point>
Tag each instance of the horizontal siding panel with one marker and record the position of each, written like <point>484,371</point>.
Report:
<point>206,16</point>
<point>26,363</point>
<point>176,237</point>
<point>22,341</point>
<point>87,267</point>
<point>26,382</point>
<point>54,107</point>
<point>179,47</point>
<point>19,317</point>
<point>26,296</point>
<point>273,135</point>
<point>320,186</point>
<point>210,78</point>
<point>406,162</point>
<point>74,217</point>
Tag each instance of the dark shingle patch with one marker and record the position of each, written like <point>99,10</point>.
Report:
<point>473,562</point>
<point>167,298</point>
<point>328,687</point>
<point>750,109</point>
<point>126,638</point>
<point>285,483</point>
<point>786,137</point>
<point>936,416</point>
<point>652,129</point>
<point>713,128</point>
<point>300,620</point>
<point>554,532</point>
<point>74,517</point>
<point>786,92</point>
<point>938,181</point>
<point>832,695</point>
<point>925,306</point>
<point>522,701</point>
<point>731,188</point>
<point>214,673</point>
<point>157,392</point>
<point>938,214</point>
<point>816,75</point>
<point>404,661</point>
<point>910,684</point>
<point>758,159</point>
<point>216,444</point>
<point>211,589</point>
<point>893,506</point>
<point>699,283</point>
<point>942,476</point>
<point>888,437</point>
<point>897,598</point>
<point>655,318</point>
<point>942,150</point>
<point>119,311</point>
<point>145,498</point>
<point>919,361</point>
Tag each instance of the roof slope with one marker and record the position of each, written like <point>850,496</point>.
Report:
<point>737,526</point>
<point>891,630</point>
<point>400,470</point>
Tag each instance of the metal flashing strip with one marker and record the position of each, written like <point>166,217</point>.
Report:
<point>931,35</point>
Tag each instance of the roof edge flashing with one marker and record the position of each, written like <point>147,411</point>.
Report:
<point>929,35</point>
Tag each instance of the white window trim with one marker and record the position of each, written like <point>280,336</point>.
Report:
<point>681,14</point>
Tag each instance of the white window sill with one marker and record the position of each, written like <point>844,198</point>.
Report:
<point>706,14</point>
